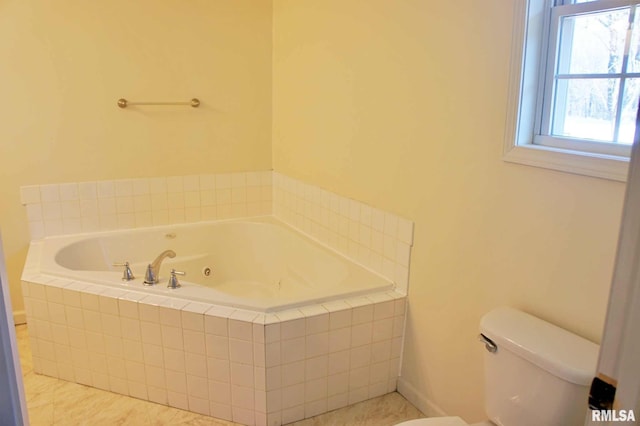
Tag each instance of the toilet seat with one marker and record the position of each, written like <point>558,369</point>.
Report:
<point>435,421</point>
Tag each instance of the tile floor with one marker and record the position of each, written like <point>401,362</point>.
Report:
<point>52,401</point>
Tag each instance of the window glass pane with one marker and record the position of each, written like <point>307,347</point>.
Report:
<point>629,110</point>
<point>585,108</point>
<point>593,42</point>
<point>634,52</point>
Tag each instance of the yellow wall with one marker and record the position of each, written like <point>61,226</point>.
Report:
<point>65,63</point>
<point>402,104</point>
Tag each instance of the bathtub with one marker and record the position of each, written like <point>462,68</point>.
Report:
<point>268,326</point>
<point>260,264</point>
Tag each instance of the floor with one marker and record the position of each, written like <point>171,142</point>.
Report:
<point>52,401</point>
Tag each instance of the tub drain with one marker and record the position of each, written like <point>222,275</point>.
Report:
<point>206,271</point>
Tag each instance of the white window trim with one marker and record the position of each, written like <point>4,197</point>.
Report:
<point>523,88</point>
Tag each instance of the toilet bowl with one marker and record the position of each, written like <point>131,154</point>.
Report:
<point>530,363</point>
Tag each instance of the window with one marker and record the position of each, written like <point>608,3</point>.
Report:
<point>575,85</point>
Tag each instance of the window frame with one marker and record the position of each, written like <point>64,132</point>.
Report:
<point>524,143</point>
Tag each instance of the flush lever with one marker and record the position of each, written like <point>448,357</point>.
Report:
<point>488,343</point>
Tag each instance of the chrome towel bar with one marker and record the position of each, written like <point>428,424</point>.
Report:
<point>123,103</point>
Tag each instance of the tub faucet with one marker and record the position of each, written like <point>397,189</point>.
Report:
<point>153,269</point>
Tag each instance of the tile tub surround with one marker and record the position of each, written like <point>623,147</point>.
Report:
<point>69,208</point>
<point>242,366</point>
<point>378,240</point>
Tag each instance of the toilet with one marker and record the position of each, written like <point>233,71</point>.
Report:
<point>536,374</point>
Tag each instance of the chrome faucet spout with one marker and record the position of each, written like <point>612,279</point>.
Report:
<point>153,269</point>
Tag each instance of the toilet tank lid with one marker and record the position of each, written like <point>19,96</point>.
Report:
<point>550,347</point>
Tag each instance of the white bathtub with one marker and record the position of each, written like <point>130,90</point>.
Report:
<point>257,264</point>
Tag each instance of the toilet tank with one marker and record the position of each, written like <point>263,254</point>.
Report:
<point>539,375</point>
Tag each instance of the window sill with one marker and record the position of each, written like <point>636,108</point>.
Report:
<point>595,165</point>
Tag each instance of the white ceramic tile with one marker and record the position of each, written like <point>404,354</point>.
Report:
<point>132,351</point>
<point>87,190</point>
<point>381,351</point>
<point>382,330</point>
<point>176,381</point>
<point>178,399</point>
<point>242,374</point>
<point>37,230</point>
<point>293,395</point>
<point>221,411</point>
<point>128,309</point>
<point>216,325</point>
<point>391,224</point>
<point>317,344</point>
<point>30,194</point>
<point>242,397</point>
<point>260,380</point>
<point>172,337</point>
<point>290,315</point>
<point>92,321</point>
<point>158,395</point>
<point>293,350</point>
<point>223,181</point>
<point>405,231</point>
<point>149,312</point>
<point>219,370</point>
<point>199,405</point>
<point>240,351</point>
<point>197,386</point>
<point>339,339</point>
<point>339,362</point>
<point>49,193</point>
<point>151,332</point>
<point>258,332</point>
<point>361,334</point>
<point>175,184</point>
<point>293,373</point>
<point>158,185</point>
<point>396,347</point>
<point>111,325</point>
<point>217,346</point>
<point>292,329</point>
<point>273,380</point>
<point>403,254</point>
<point>259,354</point>
<point>316,389</point>
<point>273,354</point>
<point>238,180</point>
<point>191,183</point>
<point>398,326</point>
<point>384,310</point>
<point>317,367</point>
<point>358,377</point>
<point>272,333</point>
<point>51,210</point>
<point>207,182</point>
<point>194,342</point>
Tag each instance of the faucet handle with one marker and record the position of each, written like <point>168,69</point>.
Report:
<point>127,275</point>
<point>173,279</point>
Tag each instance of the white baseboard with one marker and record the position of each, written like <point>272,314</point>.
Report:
<point>19,317</point>
<point>420,401</point>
